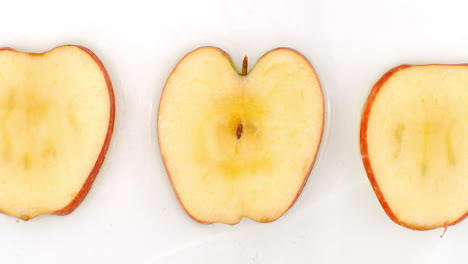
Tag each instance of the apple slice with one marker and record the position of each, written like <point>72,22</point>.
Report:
<point>414,144</point>
<point>237,145</point>
<point>56,121</point>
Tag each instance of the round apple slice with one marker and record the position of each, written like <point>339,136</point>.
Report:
<point>414,144</point>
<point>240,145</point>
<point>56,121</point>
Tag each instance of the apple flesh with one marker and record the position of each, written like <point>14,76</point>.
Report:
<point>240,145</point>
<point>414,144</point>
<point>56,121</point>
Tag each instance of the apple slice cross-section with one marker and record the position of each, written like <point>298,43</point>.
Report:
<point>240,144</point>
<point>414,144</point>
<point>56,121</point>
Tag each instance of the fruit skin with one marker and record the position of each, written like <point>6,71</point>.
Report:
<point>365,157</point>
<point>97,166</point>
<point>231,62</point>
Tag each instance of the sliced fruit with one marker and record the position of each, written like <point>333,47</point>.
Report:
<point>240,145</point>
<point>56,121</point>
<point>414,144</point>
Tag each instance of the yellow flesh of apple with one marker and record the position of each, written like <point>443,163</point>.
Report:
<point>418,144</point>
<point>218,177</point>
<point>54,115</point>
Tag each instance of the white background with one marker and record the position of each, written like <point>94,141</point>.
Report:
<point>131,214</point>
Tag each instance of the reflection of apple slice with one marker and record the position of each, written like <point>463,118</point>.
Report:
<point>415,146</point>
<point>56,121</point>
<point>237,145</point>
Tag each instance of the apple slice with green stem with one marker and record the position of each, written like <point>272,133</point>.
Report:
<point>56,120</point>
<point>414,144</point>
<point>240,145</point>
